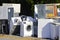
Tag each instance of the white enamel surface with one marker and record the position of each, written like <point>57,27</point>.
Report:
<point>24,32</point>
<point>16,7</point>
<point>46,29</point>
<point>16,23</point>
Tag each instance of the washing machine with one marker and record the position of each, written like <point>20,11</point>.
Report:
<point>26,28</point>
<point>15,26</point>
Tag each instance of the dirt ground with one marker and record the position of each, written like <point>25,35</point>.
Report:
<point>11,37</point>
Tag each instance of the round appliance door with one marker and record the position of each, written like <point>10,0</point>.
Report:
<point>28,28</point>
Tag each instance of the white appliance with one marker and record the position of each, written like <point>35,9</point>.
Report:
<point>39,11</point>
<point>59,32</point>
<point>46,29</point>
<point>15,21</point>
<point>17,8</point>
<point>26,18</point>
<point>58,11</point>
<point>30,19</point>
<point>54,31</point>
<point>6,12</point>
<point>26,28</point>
